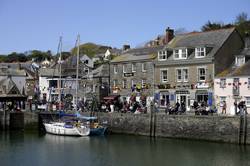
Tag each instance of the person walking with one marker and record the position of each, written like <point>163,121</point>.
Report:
<point>224,107</point>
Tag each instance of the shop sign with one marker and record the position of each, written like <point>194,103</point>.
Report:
<point>128,74</point>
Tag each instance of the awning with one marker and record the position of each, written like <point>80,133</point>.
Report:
<point>111,97</point>
<point>201,92</point>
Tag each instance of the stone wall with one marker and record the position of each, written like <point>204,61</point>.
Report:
<point>210,128</point>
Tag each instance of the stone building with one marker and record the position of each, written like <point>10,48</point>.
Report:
<point>233,84</point>
<point>185,68</point>
<point>132,72</point>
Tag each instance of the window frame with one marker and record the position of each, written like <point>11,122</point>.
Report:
<point>221,82</point>
<point>247,99</point>
<point>248,83</point>
<point>180,53</point>
<point>115,69</point>
<point>198,51</point>
<point>199,75</point>
<point>143,67</point>
<point>124,84</point>
<point>162,54</point>
<point>161,75</point>
<point>183,78</point>
<point>133,67</point>
<point>124,68</point>
<point>115,83</point>
<point>221,101</point>
<point>243,60</point>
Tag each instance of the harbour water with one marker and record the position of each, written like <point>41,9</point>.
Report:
<point>34,149</point>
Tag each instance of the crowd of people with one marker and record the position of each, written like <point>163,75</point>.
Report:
<point>132,106</point>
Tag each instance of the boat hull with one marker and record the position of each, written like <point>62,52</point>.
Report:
<point>98,131</point>
<point>61,129</point>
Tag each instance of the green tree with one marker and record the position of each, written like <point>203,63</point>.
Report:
<point>211,26</point>
<point>39,56</point>
<point>16,57</point>
<point>90,49</point>
<point>241,18</point>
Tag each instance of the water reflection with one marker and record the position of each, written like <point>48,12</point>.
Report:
<point>30,149</point>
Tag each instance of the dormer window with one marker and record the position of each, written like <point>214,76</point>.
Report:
<point>162,55</point>
<point>200,52</point>
<point>239,60</point>
<point>180,53</point>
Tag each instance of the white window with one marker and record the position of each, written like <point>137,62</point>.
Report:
<point>176,54</point>
<point>180,53</point>
<point>178,73</point>
<point>164,75</point>
<point>115,83</point>
<point>185,75</point>
<point>239,60</point>
<point>182,75</point>
<point>133,67</point>
<point>201,74</point>
<point>222,83</point>
<point>200,52</point>
<point>222,99</point>
<point>183,53</point>
<point>248,101</point>
<point>248,84</point>
<point>124,69</point>
<point>115,69</point>
<point>143,83</point>
<point>143,67</point>
<point>124,84</point>
<point>162,55</point>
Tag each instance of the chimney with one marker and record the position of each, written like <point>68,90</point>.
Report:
<point>169,35</point>
<point>247,40</point>
<point>126,47</point>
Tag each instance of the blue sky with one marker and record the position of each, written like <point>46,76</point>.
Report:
<point>37,24</point>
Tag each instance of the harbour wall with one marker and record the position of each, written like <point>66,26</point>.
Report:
<point>231,129</point>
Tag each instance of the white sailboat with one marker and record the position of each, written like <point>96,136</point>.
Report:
<point>71,128</point>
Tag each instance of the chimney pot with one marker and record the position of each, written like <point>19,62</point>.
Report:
<point>169,35</point>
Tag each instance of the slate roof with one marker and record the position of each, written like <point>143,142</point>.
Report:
<point>130,57</point>
<point>233,71</point>
<point>9,84</point>
<point>212,40</point>
<point>143,50</point>
<point>101,71</point>
<point>12,72</point>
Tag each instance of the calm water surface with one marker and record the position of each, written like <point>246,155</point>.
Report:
<point>34,149</point>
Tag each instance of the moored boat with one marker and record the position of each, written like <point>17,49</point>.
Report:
<point>65,128</point>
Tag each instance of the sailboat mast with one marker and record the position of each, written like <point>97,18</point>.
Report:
<point>60,75</point>
<point>77,68</point>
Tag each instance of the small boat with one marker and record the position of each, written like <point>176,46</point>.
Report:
<point>67,128</point>
<point>92,122</point>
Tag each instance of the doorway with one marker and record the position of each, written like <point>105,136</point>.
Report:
<point>183,96</point>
